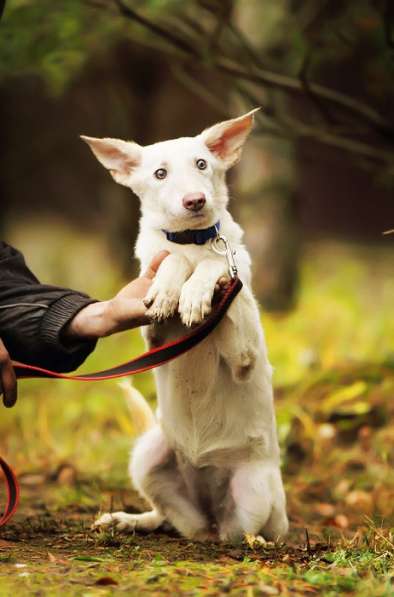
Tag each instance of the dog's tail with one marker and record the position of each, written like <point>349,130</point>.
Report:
<point>141,413</point>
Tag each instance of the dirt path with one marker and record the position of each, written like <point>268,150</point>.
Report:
<point>56,553</point>
<point>49,550</point>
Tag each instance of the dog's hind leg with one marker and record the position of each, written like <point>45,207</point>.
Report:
<point>150,451</point>
<point>256,504</point>
<point>147,521</point>
<point>163,485</point>
<point>155,474</point>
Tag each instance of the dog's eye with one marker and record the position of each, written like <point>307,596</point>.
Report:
<point>161,173</point>
<point>201,164</point>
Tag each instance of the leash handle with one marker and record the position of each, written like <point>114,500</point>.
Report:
<point>148,360</point>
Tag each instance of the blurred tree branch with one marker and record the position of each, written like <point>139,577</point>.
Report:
<point>242,63</point>
<point>169,35</point>
<point>283,67</point>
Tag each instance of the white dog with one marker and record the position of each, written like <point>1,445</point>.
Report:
<point>210,464</point>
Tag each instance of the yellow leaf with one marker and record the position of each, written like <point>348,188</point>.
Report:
<point>344,394</point>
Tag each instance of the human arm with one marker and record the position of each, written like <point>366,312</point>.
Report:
<point>54,327</point>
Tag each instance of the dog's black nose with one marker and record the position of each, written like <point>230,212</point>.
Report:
<point>194,201</point>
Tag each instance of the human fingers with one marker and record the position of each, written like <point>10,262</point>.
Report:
<point>155,264</point>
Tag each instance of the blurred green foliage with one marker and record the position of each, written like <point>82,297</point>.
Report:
<point>53,40</point>
<point>336,57</point>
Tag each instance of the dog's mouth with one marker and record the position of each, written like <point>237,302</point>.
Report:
<point>199,220</point>
<point>202,218</point>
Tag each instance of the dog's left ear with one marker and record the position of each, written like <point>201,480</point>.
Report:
<point>225,139</point>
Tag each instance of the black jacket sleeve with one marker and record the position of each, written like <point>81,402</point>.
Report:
<point>33,316</point>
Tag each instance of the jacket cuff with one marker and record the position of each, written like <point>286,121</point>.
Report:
<point>57,316</point>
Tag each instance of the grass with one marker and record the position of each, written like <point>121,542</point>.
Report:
<point>51,555</point>
<point>334,381</point>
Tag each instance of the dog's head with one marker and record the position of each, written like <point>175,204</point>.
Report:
<point>180,182</point>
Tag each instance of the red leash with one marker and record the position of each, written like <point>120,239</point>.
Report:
<point>148,360</point>
<point>12,486</point>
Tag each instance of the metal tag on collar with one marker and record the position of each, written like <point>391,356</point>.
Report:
<point>221,246</point>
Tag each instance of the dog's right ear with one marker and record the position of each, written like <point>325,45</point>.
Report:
<point>119,157</point>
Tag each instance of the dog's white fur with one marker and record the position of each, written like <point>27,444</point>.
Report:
<point>211,462</point>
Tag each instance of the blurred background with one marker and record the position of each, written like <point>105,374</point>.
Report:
<point>314,193</point>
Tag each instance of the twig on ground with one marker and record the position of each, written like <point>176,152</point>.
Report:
<point>308,543</point>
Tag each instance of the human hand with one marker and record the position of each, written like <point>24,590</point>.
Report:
<point>124,311</point>
<point>8,385</point>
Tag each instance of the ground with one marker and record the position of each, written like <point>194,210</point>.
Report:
<point>335,403</point>
<point>340,504</point>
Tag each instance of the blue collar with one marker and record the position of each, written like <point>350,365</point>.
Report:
<point>196,237</point>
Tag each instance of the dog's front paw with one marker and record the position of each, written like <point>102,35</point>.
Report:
<point>195,302</point>
<point>162,302</point>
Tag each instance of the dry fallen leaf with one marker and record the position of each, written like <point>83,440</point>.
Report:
<point>268,589</point>
<point>106,581</point>
<point>341,521</point>
<point>56,560</point>
<point>327,510</point>
<point>32,479</point>
<point>384,500</point>
<point>360,501</point>
<point>342,571</point>
<point>327,431</point>
<point>66,475</point>
<point>342,487</point>
<point>6,544</point>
